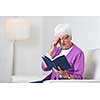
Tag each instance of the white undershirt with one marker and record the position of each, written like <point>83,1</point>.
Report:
<point>64,52</point>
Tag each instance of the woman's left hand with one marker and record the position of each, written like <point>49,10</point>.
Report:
<point>61,72</point>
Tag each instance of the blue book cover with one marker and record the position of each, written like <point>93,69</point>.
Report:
<point>61,61</point>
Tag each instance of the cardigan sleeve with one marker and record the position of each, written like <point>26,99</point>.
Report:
<point>79,66</point>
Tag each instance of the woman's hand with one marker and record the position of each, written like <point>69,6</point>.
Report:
<point>61,72</point>
<point>53,45</point>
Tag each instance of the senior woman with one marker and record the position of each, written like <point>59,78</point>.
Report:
<point>74,55</point>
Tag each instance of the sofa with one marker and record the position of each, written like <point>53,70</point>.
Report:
<point>91,71</point>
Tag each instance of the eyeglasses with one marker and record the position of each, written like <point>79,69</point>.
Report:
<point>64,37</point>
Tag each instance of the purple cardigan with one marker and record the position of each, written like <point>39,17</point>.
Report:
<point>75,58</point>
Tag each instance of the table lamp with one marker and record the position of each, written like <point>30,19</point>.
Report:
<point>17,29</point>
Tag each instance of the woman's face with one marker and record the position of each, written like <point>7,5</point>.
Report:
<point>65,41</point>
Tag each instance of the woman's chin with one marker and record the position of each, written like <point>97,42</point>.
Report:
<point>63,48</point>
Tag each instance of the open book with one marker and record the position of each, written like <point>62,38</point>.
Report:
<point>61,61</point>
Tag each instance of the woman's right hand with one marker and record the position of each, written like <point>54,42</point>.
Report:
<point>54,43</point>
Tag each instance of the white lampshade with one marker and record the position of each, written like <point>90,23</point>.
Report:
<point>18,28</point>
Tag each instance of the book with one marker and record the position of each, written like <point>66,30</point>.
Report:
<point>61,61</point>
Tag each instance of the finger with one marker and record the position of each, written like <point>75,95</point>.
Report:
<point>65,71</point>
<point>59,68</point>
<point>55,69</point>
<point>56,40</point>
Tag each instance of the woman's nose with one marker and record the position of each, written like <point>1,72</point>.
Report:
<point>63,40</point>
